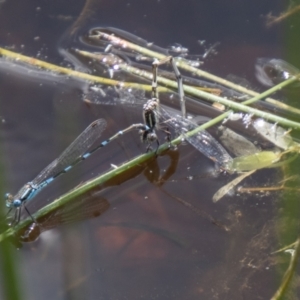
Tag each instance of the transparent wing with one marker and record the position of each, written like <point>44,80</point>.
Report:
<point>81,145</point>
<point>202,141</point>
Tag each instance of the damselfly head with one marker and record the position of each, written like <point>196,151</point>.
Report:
<point>151,137</point>
<point>17,203</point>
<point>150,105</point>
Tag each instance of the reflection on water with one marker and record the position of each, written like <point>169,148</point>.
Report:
<point>270,72</point>
<point>78,210</point>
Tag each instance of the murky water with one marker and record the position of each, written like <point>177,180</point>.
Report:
<point>148,235</point>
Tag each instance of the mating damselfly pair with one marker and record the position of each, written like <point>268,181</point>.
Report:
<point>79,150</point>
<point>153,115</point>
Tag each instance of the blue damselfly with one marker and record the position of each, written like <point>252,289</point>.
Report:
<point>75,153</point>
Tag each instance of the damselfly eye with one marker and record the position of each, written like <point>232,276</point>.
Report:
<point>17,203</point>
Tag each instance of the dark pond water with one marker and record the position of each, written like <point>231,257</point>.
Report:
<point>137,239</point>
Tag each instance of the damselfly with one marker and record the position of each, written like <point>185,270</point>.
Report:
<point>75,153</point>
<point>154,113</point>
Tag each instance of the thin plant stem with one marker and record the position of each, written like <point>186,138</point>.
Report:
<point>185,66</point>
<point>19,58</point>
<point>272,20</point>
<point>287,278</point>
<point>192,91</point>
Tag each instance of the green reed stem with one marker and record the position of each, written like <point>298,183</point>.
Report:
<point>192,91</point>
<point>185,66</point>
<point>287,278</point>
